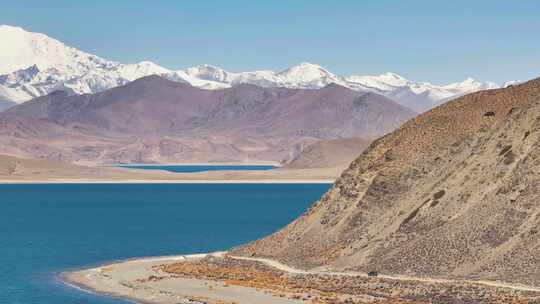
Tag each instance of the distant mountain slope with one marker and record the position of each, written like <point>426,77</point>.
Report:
<point>155,119</point>
<point>451,193</point>
<point>33,64</point>
<point>338,152</point>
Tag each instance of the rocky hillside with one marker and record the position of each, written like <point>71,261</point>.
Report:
<point>452,193</point>
<point>153,119</point>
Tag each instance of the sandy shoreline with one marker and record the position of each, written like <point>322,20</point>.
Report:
<point>81,280</point>
<point>136,280</point>
<point>253,163</point>
<point>184,181</point>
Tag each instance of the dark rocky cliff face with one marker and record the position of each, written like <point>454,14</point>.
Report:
<point>452,193</point>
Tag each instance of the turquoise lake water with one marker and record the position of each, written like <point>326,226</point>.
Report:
<point>47,229</point>
<point>199,168</point>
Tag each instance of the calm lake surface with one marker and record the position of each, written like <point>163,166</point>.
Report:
<point>47,229</point>
<point>199,168</point>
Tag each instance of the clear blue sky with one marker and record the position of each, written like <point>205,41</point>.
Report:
<point>439,41</point>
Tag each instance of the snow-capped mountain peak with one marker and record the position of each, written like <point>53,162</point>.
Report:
<point>393,79</point>
<point>305,71</point>
<point>308,75</point>
<point>21,49</point>
<point>469,85</point>
<point>208,72</point>
<point>33,64</point>
<point>141,69</point>
<point>384,82</point>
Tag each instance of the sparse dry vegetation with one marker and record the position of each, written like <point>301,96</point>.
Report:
<point>334,289</point>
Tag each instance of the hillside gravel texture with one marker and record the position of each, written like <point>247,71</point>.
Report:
<point>453,193</point>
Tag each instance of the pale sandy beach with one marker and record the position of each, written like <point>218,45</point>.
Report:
<point>171,181</point>
<point>142,281</point>
<point>216,163</point>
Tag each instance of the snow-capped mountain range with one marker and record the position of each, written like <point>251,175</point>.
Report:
<point>33,64</point>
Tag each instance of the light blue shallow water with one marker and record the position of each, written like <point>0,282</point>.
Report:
<point>199,168</point>
<point>47,229</point>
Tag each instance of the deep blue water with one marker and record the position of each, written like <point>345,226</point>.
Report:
<point>198,168</point>
<point>47,229</point>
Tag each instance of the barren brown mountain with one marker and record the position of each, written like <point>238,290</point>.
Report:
<point>451,193</point>
<point>156,120</point>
